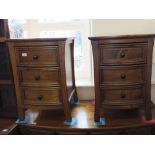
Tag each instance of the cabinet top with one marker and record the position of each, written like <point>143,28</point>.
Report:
<point>39,39</point>
<point>122,36</point>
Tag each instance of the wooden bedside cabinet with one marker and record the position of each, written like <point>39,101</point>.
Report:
<point>43,72</point>
<point>122,72</point>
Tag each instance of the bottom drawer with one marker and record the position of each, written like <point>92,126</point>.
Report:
<point>122,96</point>
<point>41,96</point>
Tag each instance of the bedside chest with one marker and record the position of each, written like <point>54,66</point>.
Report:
<point>43,72</point>
<point>122,72</point>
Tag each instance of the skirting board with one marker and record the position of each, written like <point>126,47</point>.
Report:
<point>87,92</point>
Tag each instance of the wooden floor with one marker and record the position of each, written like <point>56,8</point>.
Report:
<point>6,125</point>
<point>116,122</point>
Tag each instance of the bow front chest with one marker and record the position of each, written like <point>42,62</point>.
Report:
<point>122,72</point>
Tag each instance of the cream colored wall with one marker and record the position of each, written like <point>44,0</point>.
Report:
<point>120,27</point>
<point>124,27</point>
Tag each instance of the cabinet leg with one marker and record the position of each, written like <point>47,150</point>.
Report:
<point>148,111</point>
<point>69,120</point>
<point>148,115</point>
<point>97,111</point>
<point>21,114</point>
<point>75,99</point>
<point>97,117</point>
<point>75,96</point>
<point>23,119</point>
<point>68,117</point>
<point>67,112</point>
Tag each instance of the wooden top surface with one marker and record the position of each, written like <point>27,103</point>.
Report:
<point>39,39</point>
<point>122,36</point>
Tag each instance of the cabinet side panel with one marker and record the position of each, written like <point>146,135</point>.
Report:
<point>68,68</point>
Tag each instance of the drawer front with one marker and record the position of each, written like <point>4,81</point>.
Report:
<point>122,75</point>
<point>37,55</point>
<point>123,54</point>
<point>41,96</point>
<point>127,98</point>
<point>122,94</point>
<point>44,76</point>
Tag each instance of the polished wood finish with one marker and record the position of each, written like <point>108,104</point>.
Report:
<point>123,53</point>
<point>43,74</point>
<point>7,125</point>
<point>122,75</point>
<point>33,55</point>
<point>41,96</point>
<point>8,106</point>
<point>121,62</point>
<point>119,122</point>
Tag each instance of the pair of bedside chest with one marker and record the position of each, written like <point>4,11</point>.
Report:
<point>44,78</point>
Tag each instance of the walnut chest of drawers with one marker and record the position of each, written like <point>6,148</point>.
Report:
<point>43,72</point>
<point>122,72</point>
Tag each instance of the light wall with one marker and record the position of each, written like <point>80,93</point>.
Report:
<point>106,27</point>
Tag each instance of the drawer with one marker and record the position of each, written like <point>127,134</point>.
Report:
<point>37,55</point>
<point>41,76</point>
<point>120,96</point>
<point>123,54</point>
<point>122,75</point>
<point>41,96</point>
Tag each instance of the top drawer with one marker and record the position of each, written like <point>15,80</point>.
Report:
<point>37,55</point>
<point>123,54</point>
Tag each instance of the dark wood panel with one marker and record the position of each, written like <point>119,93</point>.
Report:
<point>123,96</point>
<point>37,55</point>
<point>39,76</point>
<point>7,93</point>
<point>2,28</point>
<point>123,54</point>
<point>5,72</point>
<point>122,75</point>
<point>42,96</point>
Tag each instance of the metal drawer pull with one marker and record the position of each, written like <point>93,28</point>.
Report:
<point>37,78</point>
<point>122,54</point>
<point>123,76</point>
<point>35,57</point>
<point>123,96</point>
<point>40,97</point>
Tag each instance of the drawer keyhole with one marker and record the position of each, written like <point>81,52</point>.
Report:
<point>122,54</point>
<point>40,97</point>
<point>35,57</point>
<point>123,96</point>
<point>37,78</point>
<point>123,76</point>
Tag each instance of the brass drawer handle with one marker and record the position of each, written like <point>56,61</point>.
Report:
<point>123,76</point>
<point>122,54</point>
<point>37,78</point>
<point>40,97</point>
<point>35,57</point>
<point>123,96</point>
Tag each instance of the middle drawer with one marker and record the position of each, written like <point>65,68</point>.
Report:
<point>122,75</point>
<point>41,76</point>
